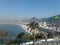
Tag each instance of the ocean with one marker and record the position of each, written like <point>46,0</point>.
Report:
<point>12,29</point>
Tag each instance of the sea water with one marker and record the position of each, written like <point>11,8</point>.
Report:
<point>12,29</point>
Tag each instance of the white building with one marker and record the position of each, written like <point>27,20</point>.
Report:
<point>43,24</point>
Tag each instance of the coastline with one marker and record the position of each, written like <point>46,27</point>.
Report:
<point>24,27</point>
<point>21,25</point>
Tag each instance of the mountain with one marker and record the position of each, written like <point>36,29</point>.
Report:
<point>48,20</point>
<point>53,21</point>
<point>30,20</point>
<point>33,19</point>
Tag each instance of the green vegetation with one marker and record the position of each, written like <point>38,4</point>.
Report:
<point>3,34</point>
<point>20,35</point>
<point>24,36</point>
<point>50,35</point>
<point>35,36</point>
<point>33,26</point>
<point>39,36</point>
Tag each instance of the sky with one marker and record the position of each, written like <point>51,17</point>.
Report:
<point>20,9</point>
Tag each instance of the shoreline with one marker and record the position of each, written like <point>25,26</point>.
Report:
<point>24,27</point>
<point>21,25</point>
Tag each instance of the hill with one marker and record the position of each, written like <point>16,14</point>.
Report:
<point>53,21</point>
<point>48,20</point>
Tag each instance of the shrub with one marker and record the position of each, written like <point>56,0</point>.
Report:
<point>50,35</point>
<point>20,35</point>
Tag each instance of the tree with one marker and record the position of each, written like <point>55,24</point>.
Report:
<point>27,37</point>
<point>50,35</point>
<point>20,35</point>
<point>3,34</point>
<point>39,36</point>
<point>33,26</point>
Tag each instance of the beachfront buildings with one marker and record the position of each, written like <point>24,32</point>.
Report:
<point>43,24</point>
<point>46,25</point>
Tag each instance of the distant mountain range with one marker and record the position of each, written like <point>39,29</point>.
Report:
<point>34,19</point>
<point>51,20</point>
<point>48,20</point>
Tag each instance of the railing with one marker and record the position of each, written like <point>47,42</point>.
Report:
<point>27,42</point>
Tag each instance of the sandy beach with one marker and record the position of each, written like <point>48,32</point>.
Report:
<point>25,28</point>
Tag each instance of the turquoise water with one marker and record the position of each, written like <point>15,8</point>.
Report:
<point>13,30</point>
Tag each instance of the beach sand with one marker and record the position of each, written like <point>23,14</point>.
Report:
<point>25,28</point>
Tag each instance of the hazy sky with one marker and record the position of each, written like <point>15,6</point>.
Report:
<point>19,9</point>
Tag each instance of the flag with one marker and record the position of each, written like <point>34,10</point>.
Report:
<point>56,17</point>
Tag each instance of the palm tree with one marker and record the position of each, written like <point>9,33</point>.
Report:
<point>33,26</point>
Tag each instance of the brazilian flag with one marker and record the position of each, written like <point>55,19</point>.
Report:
<point>56,17</point>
